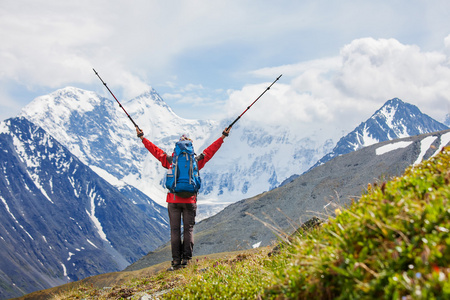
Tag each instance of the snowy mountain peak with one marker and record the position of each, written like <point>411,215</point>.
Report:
<point>150,94</point>
<point>395,119</point>
<point>389,109</point>
<point>61,102</point>
<point>394,102</point>
<point>394,113</point>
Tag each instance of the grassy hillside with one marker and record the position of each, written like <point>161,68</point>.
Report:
<point>391,244</point>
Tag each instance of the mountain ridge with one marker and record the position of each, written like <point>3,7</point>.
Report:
<point>60,220</point>
<point>395,119</point>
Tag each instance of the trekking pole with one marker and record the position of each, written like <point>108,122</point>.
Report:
<point>268,88</point>
<point>104,83</point>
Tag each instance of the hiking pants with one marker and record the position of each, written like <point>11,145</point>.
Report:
<point>182,249</point>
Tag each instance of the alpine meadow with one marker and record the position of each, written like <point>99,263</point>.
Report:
<point>392,243</point>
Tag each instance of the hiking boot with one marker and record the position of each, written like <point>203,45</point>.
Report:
<point>185,263</point>
<point>176,265</point>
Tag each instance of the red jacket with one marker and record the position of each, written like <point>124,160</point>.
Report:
<point>162,157</point>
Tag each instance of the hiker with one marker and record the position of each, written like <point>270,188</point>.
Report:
<point>182,204</point>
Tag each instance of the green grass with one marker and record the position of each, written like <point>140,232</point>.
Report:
<point>391,244</point>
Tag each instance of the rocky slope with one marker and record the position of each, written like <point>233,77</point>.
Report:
<point>59,220</point>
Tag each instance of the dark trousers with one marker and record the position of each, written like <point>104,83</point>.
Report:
<point>182,249</point>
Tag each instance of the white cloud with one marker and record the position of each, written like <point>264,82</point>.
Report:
<point>53,44</point>
<point>49,44</point>
<point>340,92</point>
<point>382,69</point>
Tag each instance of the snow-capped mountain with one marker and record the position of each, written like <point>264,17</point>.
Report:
<point>395,119</point>
<point>252,160</point>
<point>59,220</point>
<point>257,159</point>
<point>96,130</point>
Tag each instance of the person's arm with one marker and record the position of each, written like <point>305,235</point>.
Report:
<point>158,153</point>
<point>209,152</point>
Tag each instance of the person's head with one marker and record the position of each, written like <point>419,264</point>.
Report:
<point>185,137</point>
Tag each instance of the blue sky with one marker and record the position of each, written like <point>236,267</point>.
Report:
<point>340,60</point>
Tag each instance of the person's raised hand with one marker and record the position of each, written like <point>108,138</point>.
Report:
<point>140,133</point>
<point>226,132</point>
